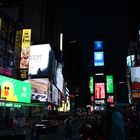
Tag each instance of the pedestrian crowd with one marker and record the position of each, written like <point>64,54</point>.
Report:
<point>115,123</point>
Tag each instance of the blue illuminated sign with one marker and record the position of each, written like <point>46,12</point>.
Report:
<point>98,45</point>
<point>98,58</point>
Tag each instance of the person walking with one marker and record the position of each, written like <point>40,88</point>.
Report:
<point>68,129</point>
<point>118,124</point>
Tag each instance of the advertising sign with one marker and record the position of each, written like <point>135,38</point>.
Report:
<point>91,85</point>
<point>26,38</point>
<point>98,58</point>
<point>25,53</point>
<point>98,45</point>
<point>55,95</point>
<point>135,79</point>
<point>41,63</point>
<point>130,60</point>
<point>99,90</point>
<point>40,89</point>
<point>109,84</point>
<point>110,99</point>
<point>59,77</point>
<point>15,90</point>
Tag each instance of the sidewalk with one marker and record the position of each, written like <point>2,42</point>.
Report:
<point>19,133</point>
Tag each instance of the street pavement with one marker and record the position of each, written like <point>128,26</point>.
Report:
<point>26,133</point>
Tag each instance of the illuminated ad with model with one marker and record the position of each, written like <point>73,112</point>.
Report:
<point>15,90</point>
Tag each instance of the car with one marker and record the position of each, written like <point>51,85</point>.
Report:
<point>47,126</point>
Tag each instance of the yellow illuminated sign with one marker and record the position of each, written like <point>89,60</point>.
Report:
<point>26,37</point>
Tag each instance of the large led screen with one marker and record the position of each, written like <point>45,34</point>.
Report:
<point>98,45</point>
<point>109,84</point>
<point>55,95</point>
<point>99,90</point>
<point>130,60</point>
<point>59,77</point>
<point>135,79</point>
<point>42,61</point>
<point>15,90</point>
<point>40,89</point>
<point>98,58</point>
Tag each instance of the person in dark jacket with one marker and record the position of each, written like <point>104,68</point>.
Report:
<point>107,121</point>
<point>118,124</point>
<point>68,129</point>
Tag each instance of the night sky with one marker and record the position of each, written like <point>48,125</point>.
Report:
<point>113,21</point>
<point>87,21</point>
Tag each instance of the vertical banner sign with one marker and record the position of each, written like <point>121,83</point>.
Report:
<point>109,84</point>
<point>22,53</point>
<point>91,85</point>
<point>25,53</point>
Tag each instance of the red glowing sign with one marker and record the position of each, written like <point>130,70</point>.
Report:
<point>110,99</point>
<point>92,98</point>
<point>99,90</point>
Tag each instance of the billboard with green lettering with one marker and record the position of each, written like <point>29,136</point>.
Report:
<point>15,90</point>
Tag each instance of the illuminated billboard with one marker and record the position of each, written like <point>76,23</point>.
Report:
<point>110,99</point>
<point>99,90</point>
<point>91,85</point>
<point>130,60</point>
<point>59,77</point>
<point>25,48</point>
<point>15,90</point>
<point>55,95</point>
<point>99,58</point>
<point>98,45</point>
<point>135,79</point>
<point>40,89</point>
<point>109,84</point>
<point>42,61</point>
